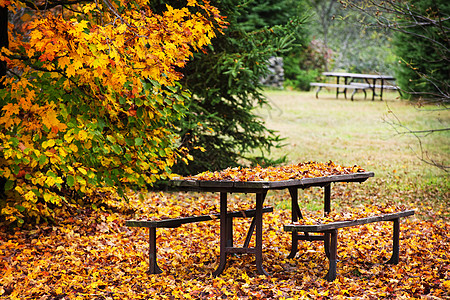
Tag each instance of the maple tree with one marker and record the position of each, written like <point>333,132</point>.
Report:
<point>90,103</point>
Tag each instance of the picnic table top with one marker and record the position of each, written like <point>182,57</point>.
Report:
<point>357,75</point>
<point>258,186</point>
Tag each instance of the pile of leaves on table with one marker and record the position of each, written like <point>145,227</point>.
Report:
<point>93,255</point>
<point>278,173</point>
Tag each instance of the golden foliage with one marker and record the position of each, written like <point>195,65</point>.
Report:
<point>93,100</point>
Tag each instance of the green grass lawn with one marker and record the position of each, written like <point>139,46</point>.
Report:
<point>360,132</point>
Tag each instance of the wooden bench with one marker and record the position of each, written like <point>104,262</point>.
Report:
<point>377,86</point>
<point>330,234</point>
<point>355,88</point>
<point>177,222</point>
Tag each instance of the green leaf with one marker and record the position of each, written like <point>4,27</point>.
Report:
<point>9,185</point>
<point>14,141</point>
<point>16,169</point>
<point>117,149</point>
<point>20,208</point>
<point>138,141</point>
<point>111,139</point>
<point>70,181</point>
<point>42,160</point>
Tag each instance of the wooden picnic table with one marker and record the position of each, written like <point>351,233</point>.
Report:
<point>369,81</point>
<point>260,189</point>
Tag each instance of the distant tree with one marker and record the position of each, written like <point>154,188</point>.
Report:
<point>422,45</point>
<point>4,41</point>
<point>421,42</point>
<point>259,14</point>
<point>346,42</point>
<point>324,15</point>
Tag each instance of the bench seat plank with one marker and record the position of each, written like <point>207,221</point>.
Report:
<point>342,224</point>
<point>176,222</point>
<point>384,86</point>
<point>335,85</point>
<point>330,234</point>
<point>355,88</point>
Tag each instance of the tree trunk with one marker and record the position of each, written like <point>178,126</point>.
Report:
<point>3,40</point>
<point>3,43</point>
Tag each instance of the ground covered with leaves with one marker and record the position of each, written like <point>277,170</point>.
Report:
<point>93,255</point>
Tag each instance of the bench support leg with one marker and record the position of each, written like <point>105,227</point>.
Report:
<point>296,214</point>
<point>229,232</point>
<point>223,237</point>
<point>250,233</point>
<point>332,241</point>
<point>317,92</point>
<point>153,265</point>
<point>395,242</point>
<point>226,235</point>
<point>259,232</point>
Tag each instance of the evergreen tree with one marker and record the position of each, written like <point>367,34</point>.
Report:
<point>423,46</point>
<point>221,128</point>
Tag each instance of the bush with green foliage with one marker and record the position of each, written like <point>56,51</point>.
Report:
<point>423,48</point>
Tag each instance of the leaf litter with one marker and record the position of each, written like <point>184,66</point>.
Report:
<point>93,255</point>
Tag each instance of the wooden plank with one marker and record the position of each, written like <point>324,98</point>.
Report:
<point>334,85</point>
<point>262,184</point>
<point>342,224</point>
<point>216,183</point>
<point>172,223</point>
<point>242,186</point>
<point>184,183</point>
<point>366,85</point>
<point>357,75</point>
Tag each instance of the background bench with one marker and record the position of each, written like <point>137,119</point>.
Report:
<point>330,231</point>
<point>177,222</point>
<point>378,86</point>
<point>355,88</point>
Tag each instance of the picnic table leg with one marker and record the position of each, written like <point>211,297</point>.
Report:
<point>296,214</point>
<point>259,224</point>
<point>326,199</point>
<point>337,88</point>
<point>223,233</point>
<point>229,232</point>
<point>153,265</point>
<point>317,92</point>
<point>345,89</point>
<point>331,275</point>
<point>326,243</point>
<point>395,242</point>
<point>372,87</point>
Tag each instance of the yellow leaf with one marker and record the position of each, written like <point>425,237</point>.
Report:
<point>82,135</point>
<point>446,284</point>
<point>82,170</point>
<point>62,152</point>
<point>73,147</point>
<point>48,144</point>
